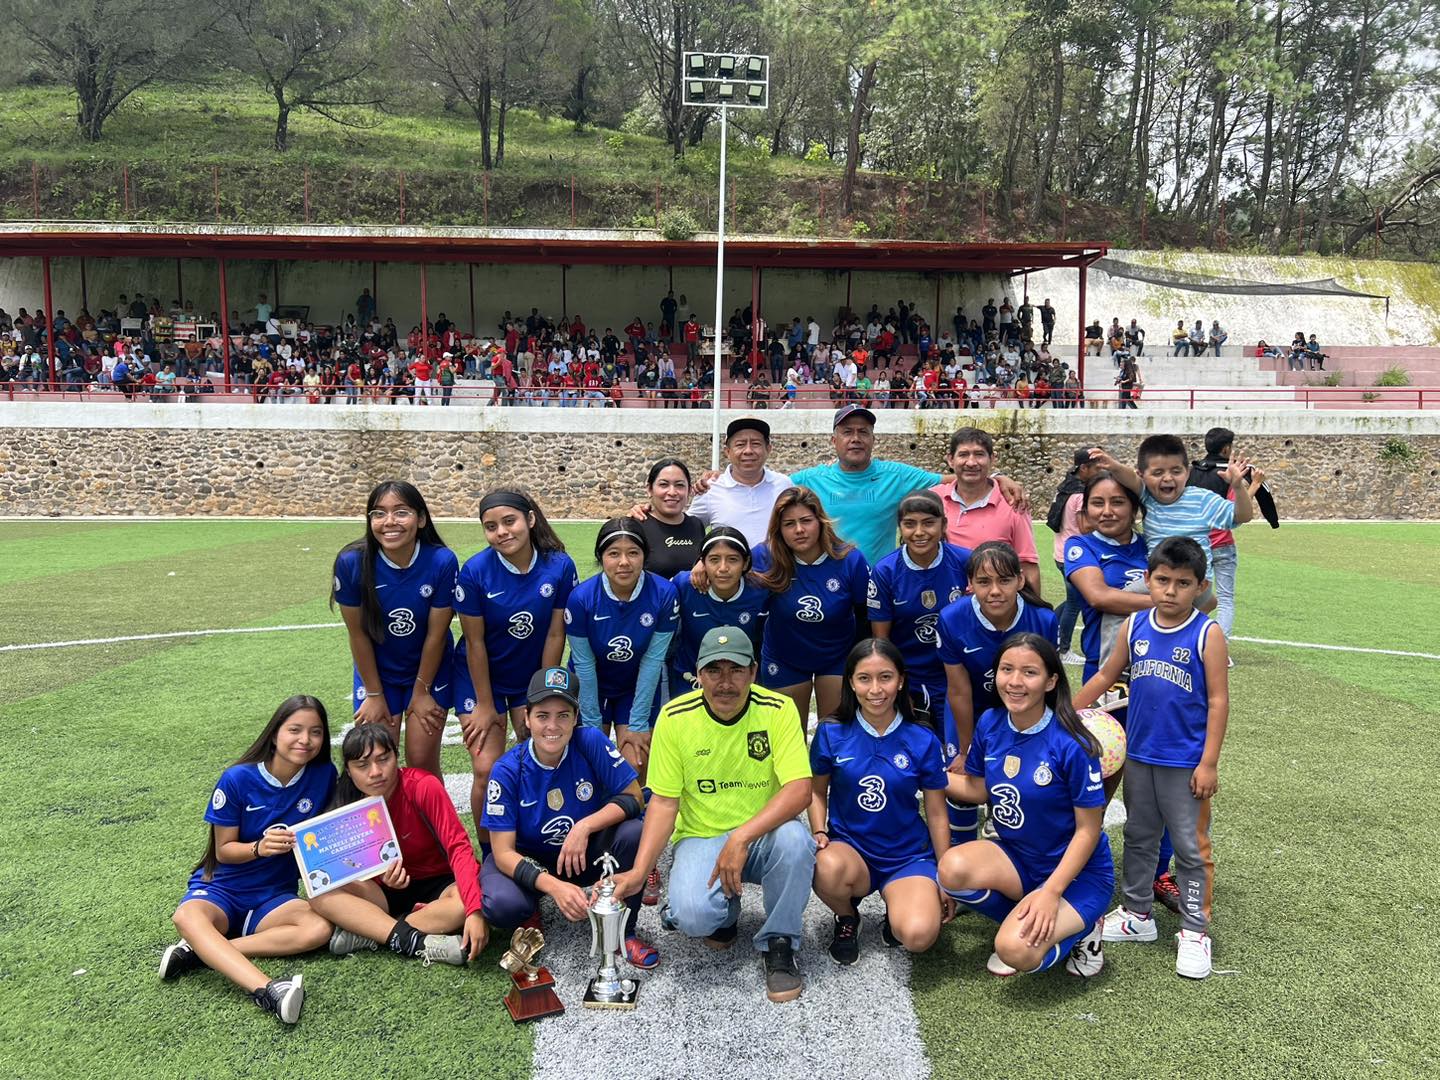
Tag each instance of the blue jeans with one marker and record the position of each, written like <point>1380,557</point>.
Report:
<point>1224,560</point>
<point>781,862</point>
<point>1069,612</point>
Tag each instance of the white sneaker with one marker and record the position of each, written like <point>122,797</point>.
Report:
<point>1122,924</point>
<point>442,949</point>
<point>1193,959</point>
<point>996,966</point>
<point>1073,658</point>
<point>1087,956</point>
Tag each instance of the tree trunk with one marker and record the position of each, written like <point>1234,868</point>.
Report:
<point>282,122</point>
<point>482,117</point>
<point>852,141</point>
<point>1122,190</point>
<point>1428,174</point>
<point>674,121</point>
<point>1142,131</point>
<point>1262,190</point>
<point>777,140</point>
<point>1052,132</point>
<point>500,135</point>
<point>1352,91</point>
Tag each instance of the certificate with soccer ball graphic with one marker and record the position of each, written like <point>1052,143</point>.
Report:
<point>353,843</point>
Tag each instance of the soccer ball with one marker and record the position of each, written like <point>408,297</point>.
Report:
<point>319,879</point>
<point>389,851</point>
<point>1110,735</point>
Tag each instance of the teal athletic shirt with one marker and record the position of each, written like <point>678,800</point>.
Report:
<point>863,504</point>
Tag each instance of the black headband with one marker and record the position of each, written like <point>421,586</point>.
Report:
<point>511,499</point>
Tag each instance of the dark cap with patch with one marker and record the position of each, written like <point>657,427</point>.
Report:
<point>554,682</point>
<point>725,643</point>
<point>846,411</point>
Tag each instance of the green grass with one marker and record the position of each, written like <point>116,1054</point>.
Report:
<point>1324,845</point>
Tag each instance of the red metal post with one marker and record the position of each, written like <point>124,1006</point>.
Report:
<point>49,318</point>
<point>1080,375</point>
<point>35,187</point>
<point>224,323</point>
<point>424,316</point>
<point>402,198</point>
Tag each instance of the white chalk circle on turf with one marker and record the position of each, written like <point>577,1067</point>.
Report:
<point>704,1014</point>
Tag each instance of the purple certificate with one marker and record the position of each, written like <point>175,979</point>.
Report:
<point>353,843</point>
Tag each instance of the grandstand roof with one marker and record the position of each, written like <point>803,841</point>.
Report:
<point>569,247</point>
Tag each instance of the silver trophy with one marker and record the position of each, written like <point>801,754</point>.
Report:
<point>608,917</point>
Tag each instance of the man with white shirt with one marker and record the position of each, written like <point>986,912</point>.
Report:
<point>812,331</point>
<point>743,495</point>
<point>847,371</point>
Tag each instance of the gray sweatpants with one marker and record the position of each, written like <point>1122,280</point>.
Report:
<point>1158,797</point>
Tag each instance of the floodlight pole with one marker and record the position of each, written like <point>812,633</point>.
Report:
<point>719,299</point>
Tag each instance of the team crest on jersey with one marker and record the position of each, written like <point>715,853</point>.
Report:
<point>460,592</point>
<point>871,591</point>
<point>1142,647</point>
<point>647,619</point>
<point>927,599</point>
<point>1074,551</point>
<point>469,704</point>
<point>555,798</point>
<point>744,618</point>
<point>218,799</point>
<point>833,584</point>
<point>773,668</point>
<point>951,751</point>
<point>567,616</point>
<point>547,589</point>
<point>492,791</point>
<point>956,593</point>
<point>427,590</point>
<point>757,745</point>
<point>1043,775</point>
<point>583,790</point>
<point>360,693</point>
<point>902,761</point>
<point>337,582</point>
<point>1012,766</point>
<point>305,806</point>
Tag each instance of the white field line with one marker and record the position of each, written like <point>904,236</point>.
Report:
<point>1336,648</point>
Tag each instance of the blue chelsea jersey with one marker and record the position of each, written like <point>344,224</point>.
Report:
<point>540,804</point>
<point>248,798</point>
<point>1036,779</point>
<point>620,630</point>
<point>874,782</point>
<point>701,612</point>
<point>406,595</point>
<point>517,608</point>
<point>1120,565</point>
<point>1169,698</point>
<point>968,638</point>
<point>815,617</point>
<point>910,598</point>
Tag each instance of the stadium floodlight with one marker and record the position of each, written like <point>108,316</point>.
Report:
<point>740,82</point>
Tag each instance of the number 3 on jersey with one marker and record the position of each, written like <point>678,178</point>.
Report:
<point>1005,806</point>
<point>872,795</point>
<point>622,649</point>
<point>810,609</point>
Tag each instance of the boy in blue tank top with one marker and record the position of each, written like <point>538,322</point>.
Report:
<point>1179,708</point>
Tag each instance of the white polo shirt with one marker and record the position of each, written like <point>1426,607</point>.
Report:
<point>741,506</point>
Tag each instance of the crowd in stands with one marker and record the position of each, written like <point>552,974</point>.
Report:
<point>1304,353</point>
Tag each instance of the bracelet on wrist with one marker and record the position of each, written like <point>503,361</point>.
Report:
<point>256,849</point>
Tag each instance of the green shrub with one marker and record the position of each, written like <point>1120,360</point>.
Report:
<point>678,224</point>
<point>1333,379</point>
<point>1394,376</point>
<point>1398,451</point>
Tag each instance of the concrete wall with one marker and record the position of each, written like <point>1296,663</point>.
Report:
<point>61,459</point>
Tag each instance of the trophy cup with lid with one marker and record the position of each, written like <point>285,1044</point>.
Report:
<point>532,991</point>
<point>608,917</point>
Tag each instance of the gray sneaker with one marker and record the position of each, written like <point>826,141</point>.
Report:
<point>283,997</point>
<point>783,981</point>
<point>442,949</point>
<point>345,942</point>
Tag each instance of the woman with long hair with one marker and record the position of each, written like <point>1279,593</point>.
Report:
<point>872,760</point>
<point>241,902</point>
<point>400,642</point>
<point>511,599</point>
<point>1047,876</point>
<point>428,894</point>
<point>819,584</point>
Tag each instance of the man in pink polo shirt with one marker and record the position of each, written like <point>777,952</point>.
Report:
<point>975,511</point>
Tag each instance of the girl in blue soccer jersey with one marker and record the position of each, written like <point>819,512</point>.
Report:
<point>619,624</point>
<point>728,597</point>
<point>1047,876</point>
<point>820,585</point>
<point>871,760</point>
<point>396,588</point>
<point>241,902</point>
<point>511,599</point>
<point>555,804</point>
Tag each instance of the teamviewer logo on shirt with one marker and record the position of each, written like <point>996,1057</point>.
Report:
<point>706,787</point>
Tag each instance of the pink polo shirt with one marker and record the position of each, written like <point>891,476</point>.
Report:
<point>990,519</point>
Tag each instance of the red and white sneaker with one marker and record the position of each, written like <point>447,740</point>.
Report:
<point>1167,892</point>
<point>651,896</point>
<point>1193,959</point>
<point>1122,924</point>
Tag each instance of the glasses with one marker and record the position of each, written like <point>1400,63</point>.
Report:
<point>404,515</point>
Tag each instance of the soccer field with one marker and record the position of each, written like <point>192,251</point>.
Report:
<point>1325,888</point>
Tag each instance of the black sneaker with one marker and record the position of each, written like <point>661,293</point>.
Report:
<point>887,935</point>
<point>783,981</point>
<point>283,997</point>
<point>845,945</point>
<point>723,938</point>
<point>179,959</point>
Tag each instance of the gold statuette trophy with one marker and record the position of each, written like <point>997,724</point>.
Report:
<point>607,940</point>
<point>532,991</point>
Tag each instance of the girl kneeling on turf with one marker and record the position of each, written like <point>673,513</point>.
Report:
<point>1048,875</point>
<point>871,759</point>
<point>433,889</point>
<point>400,639</point>
<point>555,804</point>
<point>241,900</point>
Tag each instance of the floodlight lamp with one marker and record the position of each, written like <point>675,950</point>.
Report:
<point>695,91</point>
<point>725,91</point>
<point>755,93</point>
<point>727,66</point>
<point>697,64</point>
<point>755,67</point>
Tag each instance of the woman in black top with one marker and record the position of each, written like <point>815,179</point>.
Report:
<point>673,535</point>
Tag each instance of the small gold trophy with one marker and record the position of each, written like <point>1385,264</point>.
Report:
<point>607,938</point>
<point>532,991</point>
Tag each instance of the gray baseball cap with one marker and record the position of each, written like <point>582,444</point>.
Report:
<point>725,643</point>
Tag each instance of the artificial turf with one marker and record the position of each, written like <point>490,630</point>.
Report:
<point>1324,843</point>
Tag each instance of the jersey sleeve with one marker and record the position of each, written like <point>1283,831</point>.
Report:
<point>667,613</point>
<point>613,773</point>
<point>975,756</point>
<point>1049,626</point>
<point>666,775</point>
<point>760,558</point>
<point>501,795</point>
<point>469,590</point>
<point>792,760</point>
<point>931,765</point>
<point>1078,556</point>
<point>347,579</point>
<point>445,571</point>
<point>879,596</point>
<point>910,477</point>
<point>1083,776</point>
<point>822,758</point>
<point>565,581</point>
<point>227,801</point>
<point>947,641</point>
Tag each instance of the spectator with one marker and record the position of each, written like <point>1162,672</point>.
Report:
<point>1135,338</point>
<point>1047,321</point>
<point>1094,338</point>
<point>1180,339</point>
<point>1198,339</point>
<point>1218,337</point>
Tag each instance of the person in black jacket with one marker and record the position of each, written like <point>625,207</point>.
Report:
<point>1206,474</point>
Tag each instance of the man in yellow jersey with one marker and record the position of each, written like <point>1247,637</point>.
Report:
<point>730,773</point>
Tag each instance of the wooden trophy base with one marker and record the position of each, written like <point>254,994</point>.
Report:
<point>532,997</point>
<point>625,1003</point>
